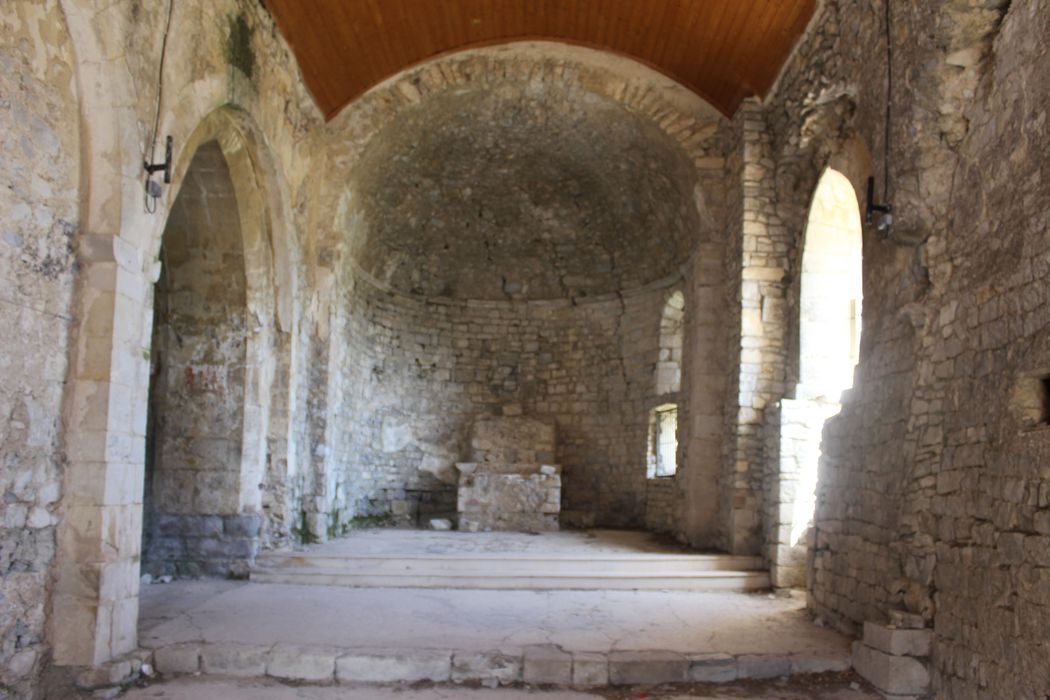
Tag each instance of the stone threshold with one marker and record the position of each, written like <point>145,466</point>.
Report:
<point>546,665</point>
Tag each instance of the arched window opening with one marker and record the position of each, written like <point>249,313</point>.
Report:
<point>829,342</point>
<point>669,364</point>
<point>662,453</point>
<point>831,292</point>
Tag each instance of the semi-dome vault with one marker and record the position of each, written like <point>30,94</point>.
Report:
<point>525,190</point>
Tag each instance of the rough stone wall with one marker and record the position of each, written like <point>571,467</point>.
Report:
<point>72,434</point>
<point>39,169</point>
<point>701,402</point>
<point>418,373</point>
<point>976,522</point>
<point>819,104</point>
<point>662,505</point>
<point>932,496</point>
<point>452,272</point>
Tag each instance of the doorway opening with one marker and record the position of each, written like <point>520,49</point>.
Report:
<point>193,523</point>
<point>830,299</point>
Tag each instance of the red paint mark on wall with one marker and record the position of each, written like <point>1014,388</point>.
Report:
<point>205,378</point>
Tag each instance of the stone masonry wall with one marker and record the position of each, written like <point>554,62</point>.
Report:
<point>444,299</point>
<point>39,169</point>
<point>815,113</point>
<point>419,372</point>
<point>78,98</point>
<point>932,492</point>
<point>758,345</point>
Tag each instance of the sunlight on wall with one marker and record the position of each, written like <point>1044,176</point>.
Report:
<point>830,315</point>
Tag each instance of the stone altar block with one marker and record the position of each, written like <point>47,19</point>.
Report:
<point>510,484</point>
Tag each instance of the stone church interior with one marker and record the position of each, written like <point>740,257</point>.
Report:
<point>571,343</point>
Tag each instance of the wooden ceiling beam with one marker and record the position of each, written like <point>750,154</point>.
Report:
<point>724,50</point>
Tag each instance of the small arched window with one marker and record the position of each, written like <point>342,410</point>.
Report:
<point>663,419</point>
<point>669,364</point>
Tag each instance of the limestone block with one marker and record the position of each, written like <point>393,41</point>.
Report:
<point>394,667</point>
<point>178,658</point>
<point>294,662</point>
<point>231,659</point>
<point>547,665</point>
<point>492,666</point>
<point>112,673</point>
<point>634,667</point>
<point>901,642</point>
<point>906,620</point>
<point>759,666</point>
<point>902,675</point>
<point>819,663</point>
<point>712,668</point>
<point>512,439</point>
<point>589,670</point>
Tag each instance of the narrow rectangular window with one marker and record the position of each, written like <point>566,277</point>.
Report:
<point>666,440</point>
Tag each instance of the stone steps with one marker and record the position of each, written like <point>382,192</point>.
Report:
<point>604,572</point>
<point>534,665</point>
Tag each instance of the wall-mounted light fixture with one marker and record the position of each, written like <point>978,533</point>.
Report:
<point>153,188</point>
<point>885,211</point>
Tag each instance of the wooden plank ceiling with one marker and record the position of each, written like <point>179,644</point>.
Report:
<point>724,50</point>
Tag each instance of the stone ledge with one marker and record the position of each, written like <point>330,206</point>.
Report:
<point>395,666</point>
<point>896,641</point>
<point>894,675</point>
<point>546,665</point>
<point>120,671</point>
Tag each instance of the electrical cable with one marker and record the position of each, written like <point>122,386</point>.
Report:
<point>150,203</point>
<point>889,105</point>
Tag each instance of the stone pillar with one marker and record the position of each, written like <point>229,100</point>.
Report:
<point>761,339</point>
<point>95,604</point>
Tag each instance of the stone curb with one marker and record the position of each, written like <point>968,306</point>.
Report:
<point>546,665</point>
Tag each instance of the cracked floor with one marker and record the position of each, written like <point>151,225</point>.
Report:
<point>480,620</point>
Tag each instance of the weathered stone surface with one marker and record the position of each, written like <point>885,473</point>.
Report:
<point>507,487</point>
<point>635,667</point>
<point>901,675</point>
<point>899,642</point>
<point>109,674</point>
<point>590,670</point>
<point>932,479</point>
<point>817,663</point>
<point>178,658</point>
<point>712,668</point>
<point>302,663</point>
<point>762,666</point>
<point>513,226</point>
<point>232,659</point>
<point>547,665</point>
<point>394,667</point>
<point>500,668</point>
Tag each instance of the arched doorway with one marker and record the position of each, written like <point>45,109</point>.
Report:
<point>830,298</point>
<point>192,519</point>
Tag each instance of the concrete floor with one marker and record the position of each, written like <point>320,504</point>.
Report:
<point>333,633</point>
<point>233,689</point>
<point>480,620</point>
